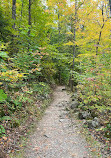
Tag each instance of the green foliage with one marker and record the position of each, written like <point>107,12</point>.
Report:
<point>3,55</point>
<point>4,32</point>
<point>3,96</point>
<point>6,118</point>
<point>27,62</point>
<point>15,123</point>
<point>41,88</point>
<point>2,131</point>
<point>94,88</point>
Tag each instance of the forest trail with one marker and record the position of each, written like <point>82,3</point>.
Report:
<point>55,136</point>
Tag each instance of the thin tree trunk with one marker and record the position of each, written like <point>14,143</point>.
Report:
<point>59,45</point>
<point>29,22</point>
<point>14,12</point>
<point>21,16</point>
<point>110,7</point>
<point>58,23</point>
<point>13,45</point>
<point>100,34</point>
<point>22,10</point>
<point>75,20</point>
<point>74,47</point>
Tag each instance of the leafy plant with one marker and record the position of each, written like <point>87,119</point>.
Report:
<point>107,130</point>
<point>2,131</point>
<point>3,96</point>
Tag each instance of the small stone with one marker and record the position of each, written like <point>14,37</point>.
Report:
<point>63,89</point>
<point>84,115</point>
<point>93,123</point>
<point>61,120</point>
<point>46,136</point>
<point>74,104</point>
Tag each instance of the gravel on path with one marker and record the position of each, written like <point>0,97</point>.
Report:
<point>54,136</point>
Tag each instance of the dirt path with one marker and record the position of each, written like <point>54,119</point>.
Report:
<point>55,137</point>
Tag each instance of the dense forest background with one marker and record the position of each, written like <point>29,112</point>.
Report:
<point>43,43</point>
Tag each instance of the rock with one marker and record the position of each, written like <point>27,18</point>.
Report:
<point>47,96</point>
<point>61,120</point>
<point>93,113</point>
<point>63,89</point>
<point>89,123</point>
<point>95,122</point>
<point>92,123</point>
<point>62,104</point>
<point>46,136</point>
<point>84,115</point>
<point>84,122</point>
<point>74,104</point>
<point>74,95</point>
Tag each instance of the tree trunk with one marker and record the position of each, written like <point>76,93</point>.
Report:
<point>22,10</point>
<point>29,22</point>
<point>14,12</point>
<point>75,20</point>
<point>110,7</point>
<point>100,34</point>
<point>59,29</point>
<point>21,16</point>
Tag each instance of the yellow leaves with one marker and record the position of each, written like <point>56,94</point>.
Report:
<point>51,24</point>
<point>69,33</point>
<point>2,47</point>
<point>17,4</point>
<point>20,75</point>
<point>41,54</point>
<point>36,69</point>
<point>69,44</point>
<point>87,55</point>
<point>86,101</point>
<point>77,59</point>
<point>11,75</point>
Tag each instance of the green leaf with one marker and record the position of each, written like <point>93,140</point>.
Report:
<point>2,130</point>
<point>3,55</point>
<point>32,34</point>
<point>6,118</point>
<point>3,96</point>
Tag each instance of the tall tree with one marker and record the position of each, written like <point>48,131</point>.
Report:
<point>29,21</point>
<point>75,21</point>
<point>14,12</point>
<point>110,7</point>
